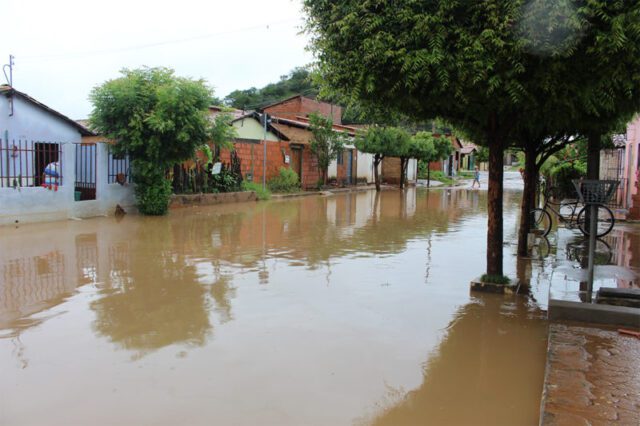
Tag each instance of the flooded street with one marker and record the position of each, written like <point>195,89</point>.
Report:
<point>337,310</point>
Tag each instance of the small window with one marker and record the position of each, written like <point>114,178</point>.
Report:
<point>118,169</point>
<point>341,158</point>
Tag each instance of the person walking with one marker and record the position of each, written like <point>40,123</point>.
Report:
<point>476,177</point>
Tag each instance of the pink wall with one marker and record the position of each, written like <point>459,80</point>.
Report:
<point>632,165</point>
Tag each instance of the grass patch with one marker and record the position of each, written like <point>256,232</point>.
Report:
<point>441,177</point>
<point>495,279</point>
<point>465,174</point>
<point>286,182</point>
<point>261,193</point>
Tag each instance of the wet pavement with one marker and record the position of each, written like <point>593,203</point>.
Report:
<point>322,310</point>
<point>592,377</point>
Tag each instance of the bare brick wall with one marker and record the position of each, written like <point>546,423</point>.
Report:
<point>391,170</point>
<point>287,109</point>
<point>301,106</point>
<point>276,152</point>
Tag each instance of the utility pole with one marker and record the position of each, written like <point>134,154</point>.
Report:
<point>10,81</point>
<point>265,119</point>
<point>10,66</point>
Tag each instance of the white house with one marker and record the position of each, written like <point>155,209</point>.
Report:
<point>35,139</point>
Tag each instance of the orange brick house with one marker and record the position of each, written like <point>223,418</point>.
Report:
<point>249,145</point>
<point>291,118</point>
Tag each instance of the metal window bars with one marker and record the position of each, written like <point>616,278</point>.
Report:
<point>118,168</point>
<point>23,163</point>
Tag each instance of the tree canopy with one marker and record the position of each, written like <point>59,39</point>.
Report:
<point>158,119</point>
<point>483,66</point>
<point>326,143</point>
<point>427,147</point>
<point>383,142</point>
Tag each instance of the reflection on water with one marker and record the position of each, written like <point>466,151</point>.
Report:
<point>617,262</point>
<point>287,312</point>
<point>491,351</point>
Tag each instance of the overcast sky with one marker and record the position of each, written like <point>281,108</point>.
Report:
<point>64,48</point>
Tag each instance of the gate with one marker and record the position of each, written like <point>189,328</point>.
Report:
<point>350,167</point>
<point>612,168</point>
<point>85,181</point>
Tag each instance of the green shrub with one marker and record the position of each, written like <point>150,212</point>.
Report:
<point>495,279</point>
<point>153,193</point>
<point>261,193</point>
<point>225,181</point>
<point>562,176</point>
<point>286,181</point>
<point>441,177</point>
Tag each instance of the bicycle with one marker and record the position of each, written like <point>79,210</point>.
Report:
<point>578,251</point>
<point>565,211</point>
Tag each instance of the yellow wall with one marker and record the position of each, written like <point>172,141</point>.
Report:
<point>250,128</point>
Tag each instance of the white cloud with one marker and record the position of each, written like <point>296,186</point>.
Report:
<point>64,48</point>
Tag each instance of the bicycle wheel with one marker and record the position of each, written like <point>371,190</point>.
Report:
<point>540,222</point>
<point>580,252</point>
<point>605,221</point>
<point>568,208</point>
<point>541,248</point>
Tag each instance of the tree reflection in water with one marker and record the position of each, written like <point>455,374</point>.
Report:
<point>490,349</point>
<point>159,302</point>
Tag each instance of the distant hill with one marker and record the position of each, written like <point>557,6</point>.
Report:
<point>296,82</point>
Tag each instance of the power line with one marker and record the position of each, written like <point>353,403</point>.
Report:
<point>39,58</point>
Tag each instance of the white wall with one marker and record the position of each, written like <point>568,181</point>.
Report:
<point>37,204</point>
<point>365,166</point>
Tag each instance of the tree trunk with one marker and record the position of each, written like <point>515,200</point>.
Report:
<point>428,175</point>
<point>494,207</point>
<point>593,156</point>
<point>528,196</point>
<point>403,161</point>
<point>376,176</point>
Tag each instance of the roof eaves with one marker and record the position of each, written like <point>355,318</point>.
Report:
<point>270,127</point>
<point>10,91</point>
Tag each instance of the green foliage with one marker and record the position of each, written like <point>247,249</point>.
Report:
<point>296,82</point>
<point>384,141</point>
<point>495,279</point>
<point>153,190</point>
<point>222,133</point>
<point>326,143</point>
<point>482,154</point>
<point>286,181</point>
<point>225,181</point>
<point>263,194</point>
<point>440,177</point>
<point>491,68</point>
<point>156,118</point>
<point>427,147</point>
<point>561,175</point>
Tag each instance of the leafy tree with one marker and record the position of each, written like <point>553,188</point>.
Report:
<point>382,142</point>
<point>483,154</point>
<point>326,143</point>
<point>158,119</point>
<point>427,148</point>
<point>483,66</point>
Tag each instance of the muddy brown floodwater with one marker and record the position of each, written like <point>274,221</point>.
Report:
<point>338,310</point>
